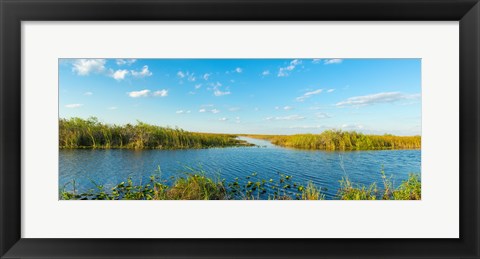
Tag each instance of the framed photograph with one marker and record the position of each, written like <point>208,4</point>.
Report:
<point>239,129</point>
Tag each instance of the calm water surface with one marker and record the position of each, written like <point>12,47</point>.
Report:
<point>325,169</point>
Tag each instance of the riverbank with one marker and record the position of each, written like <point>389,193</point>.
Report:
<point>77,133</point>
<point>337,140</point>
<point>197,186</point>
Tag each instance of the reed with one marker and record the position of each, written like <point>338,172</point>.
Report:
<point>90,133</point>
<point>197,186</point>
<point>337,140</point>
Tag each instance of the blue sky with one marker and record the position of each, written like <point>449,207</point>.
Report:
<point>264,96</point>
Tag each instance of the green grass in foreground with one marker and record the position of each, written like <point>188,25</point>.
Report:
<point>343,140</point>
<point>90,133</point>
<point>197,186</point>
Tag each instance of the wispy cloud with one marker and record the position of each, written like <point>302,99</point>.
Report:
<point>197,86</point>
<point>217,92</point>
<point>112,108</point>
<point>119,75</point>
<point>181,74</point>
<point>352,127</point>
<point>182,111</point>
<point>189,76</point>
<point>234,109</point>
<point>238,70</point>
<point>214,111</point>
<point>316,60</point>
<point>322,115</point>
<point>137,94</point>
<point>308,95</point>
<point>216,89</point>
<point>206,76</point>
<point>223,119</point>
<point>88,93</point>
<point>287,108</point>
<point>128,62</point>
<point>161,93</point>
<point>332,61</point>
<point>285,71</point>
<point>290,117</point>
<point>74,105</point>
<point>84,67</point>
<point>330,90</point>
<point>266,73</point>
<point>142,73</point>
<point>386,97</point>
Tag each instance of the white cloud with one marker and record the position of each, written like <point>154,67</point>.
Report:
<point>238,70</point>
<point>83,67</point>
<point>223,119</point>
<point>206,76</point>
<point>182,111</point>
<point>180,74</point>
<point>287,108</point>
<point>198,86</point>
<point>316,60</point>
<point>137,94</point>
<point>308,95</point>
<point>237,119</point>
<point>332,61</point>
<point>352,127</point>
<point>387,97</point>
<point>74,105</point>
<point>112,108</point>
<point>128,62</point>
<point>290,117</point>
<point>142,73</point>
<point>119,74</point>
<point>191,77</point>
<point>214,111</point>
<point>161,93</point>
<point>266,73</point>
<point>284,71</point>
<point>330,90</point>
<point>234,109</point>
<point>88,93</point>
<point>323,115</point>
<point>220,93</point>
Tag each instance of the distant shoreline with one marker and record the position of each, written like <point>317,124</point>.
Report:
<point>77,133</point>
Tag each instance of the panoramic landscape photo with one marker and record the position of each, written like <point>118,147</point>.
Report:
<point>240,129</point>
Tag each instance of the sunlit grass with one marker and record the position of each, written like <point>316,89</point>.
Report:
<point>198,186</point>
<point>343,140</point>
<point>90,133</point>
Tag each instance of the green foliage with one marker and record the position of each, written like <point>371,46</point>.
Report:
<point>90,133</point>
<point>348,191</point>
<point>411,189</point>
<point>332,140</point>
<point>197,186</point>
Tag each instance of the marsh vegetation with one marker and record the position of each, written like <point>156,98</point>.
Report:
<point>90,133</point>
<point>197,186</point>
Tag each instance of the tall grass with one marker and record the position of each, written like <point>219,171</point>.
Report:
<point>197,186</point>
<point>343,140</point>
<point>90,133</point>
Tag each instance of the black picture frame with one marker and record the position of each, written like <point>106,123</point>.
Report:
<point>13,12</point>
